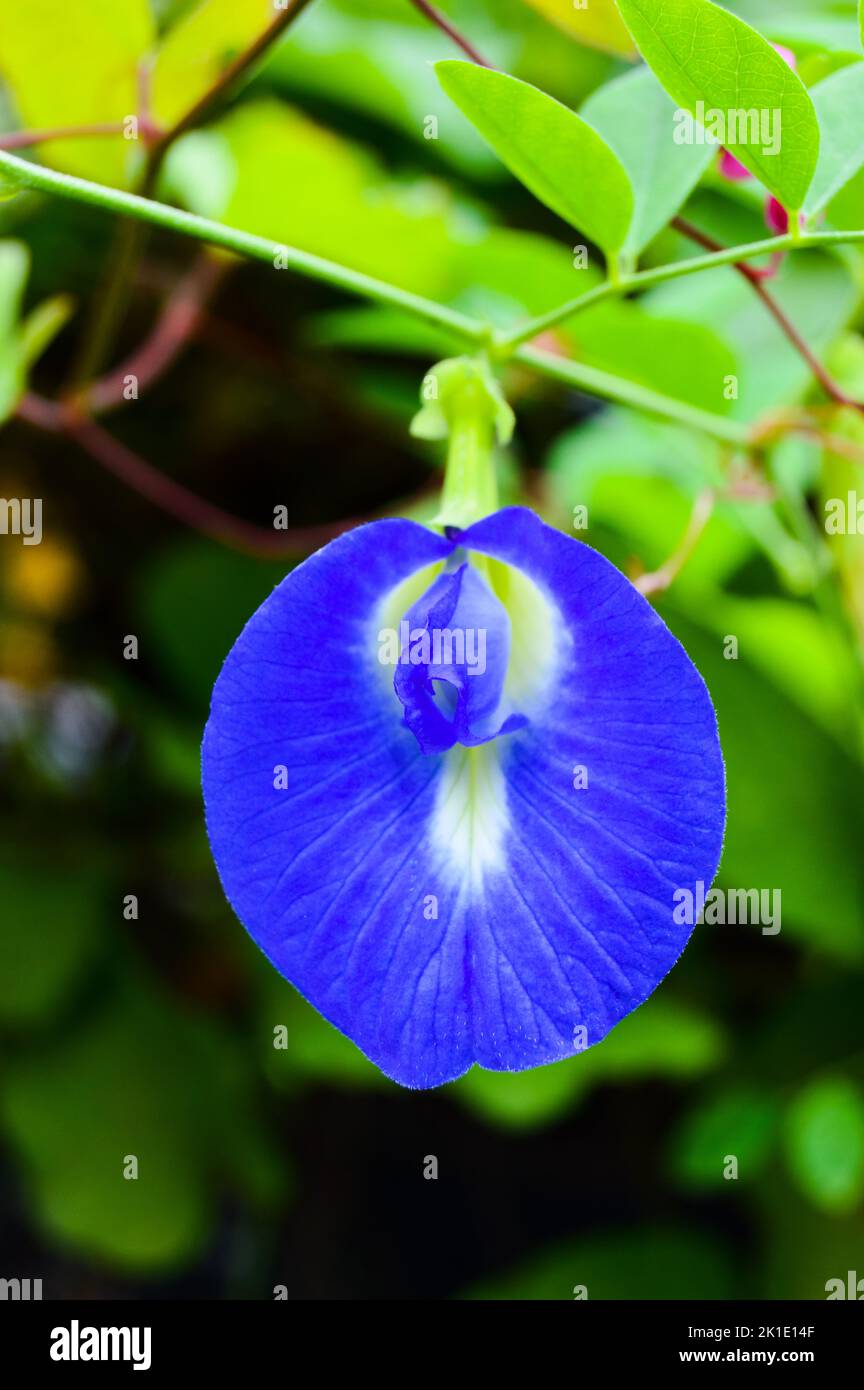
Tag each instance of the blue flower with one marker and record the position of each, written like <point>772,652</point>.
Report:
<point>452,784</point>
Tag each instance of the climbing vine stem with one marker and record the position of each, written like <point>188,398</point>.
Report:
<point>19,173</point>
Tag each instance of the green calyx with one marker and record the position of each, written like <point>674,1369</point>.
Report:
<point>463,403</point>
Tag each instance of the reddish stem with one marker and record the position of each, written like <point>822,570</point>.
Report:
<point>223,85</point>
<point>756,278</point>
<point>446,26</point>
<point>151,132</point>
<point>658,580</point>
<point>177,323</point>
<point>178,501</point>
<point>23,139</point>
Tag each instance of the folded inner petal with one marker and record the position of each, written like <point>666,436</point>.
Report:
<point>454,654</point>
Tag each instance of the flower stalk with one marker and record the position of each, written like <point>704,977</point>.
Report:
<point>462,403</point>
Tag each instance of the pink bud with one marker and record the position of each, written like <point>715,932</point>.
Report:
<point>786,54</point>
<point>776,217</point>
<point>732,168</point>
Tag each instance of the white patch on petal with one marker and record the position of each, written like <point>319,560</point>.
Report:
<point>471,816</point>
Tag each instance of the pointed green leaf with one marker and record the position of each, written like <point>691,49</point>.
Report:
<point>635,116</point>
<point>557,155</point>
<point>22,342</point>
<point>839,103</point>
<point>713,63</point>
<point>42,325</point>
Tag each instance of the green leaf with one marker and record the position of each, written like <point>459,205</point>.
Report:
<point>42,325</point>
<point>635,116</point>
<point>709,60</point>
<point>200,173</point>
<point>839,103</point>
<point>648,1262</point>
<point>384,70</point>
<point>597,24</point>
<point>53,924</point>
<point>688,362</point>
<point>845,212</point>
<point>199,48</point>
<point>804,656</point>
<point>314,1049</point>
<point>815,863</point>
<point>139,1078</point>
<point>14,269</point>
<point>190,636</point>
<point>21,343</point>
<point>825,1143</point>
<point>74,64</point>
<point>557,155</point>
<point>523,1100</point>
<point>661,1039</point>
<point>263,152</point>
<point>803,24</point>
<point>739,1123</point>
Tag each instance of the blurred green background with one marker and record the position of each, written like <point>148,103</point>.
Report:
<point>153,1034</point>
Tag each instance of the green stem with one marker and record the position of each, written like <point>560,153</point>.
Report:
<point>463,403</point>
<point>613,388</point>
<point>25,175</point>
<point>643,279</point>
<point>470,488</point>
<point>22,174</point>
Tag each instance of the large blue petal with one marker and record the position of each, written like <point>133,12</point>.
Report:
<point>470,905</point>
<point>580,929</point>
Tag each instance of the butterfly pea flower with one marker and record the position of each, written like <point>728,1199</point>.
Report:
<point>453,780</point>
